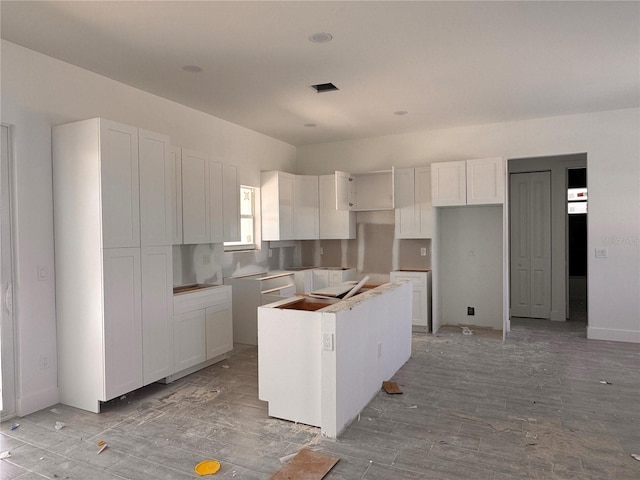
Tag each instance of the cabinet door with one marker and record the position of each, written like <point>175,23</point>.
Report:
<point>157,313</point>
<point>448,183</point>
<point>286,196</point>
<point>175,160</point>
<point>420,315</point>
<point>119,185</point>
<point>485,181</point>
<point>405,211</point>
<point>195,196</point>
<point>122,321</point>
<point>306,211</point>
<point>344,191</point>
<point>320,278</point>
<point>231,203</point>
<point>333,223</point>
<point>216,222</point>
<point>189,339</point>
<point>219,330</point>
<point>156,189</point>
<point>423,204</point>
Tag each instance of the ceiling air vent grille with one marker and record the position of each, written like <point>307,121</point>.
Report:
<point>324,87</point>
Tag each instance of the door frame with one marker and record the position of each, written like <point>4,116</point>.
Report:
<point>557,164</point>
<point>9,358</point>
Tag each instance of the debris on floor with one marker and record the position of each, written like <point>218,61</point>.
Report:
<point>14,426</point>
<point>4,455</point>
<point>306,465</point>
<point>412,406</point>
<point>635,456</point>
<point>466,331</point>
<point>604,382</point>
<point>391,387</point>
<point>207,467</point>
<point>59,425</point>
<point>103,447</point>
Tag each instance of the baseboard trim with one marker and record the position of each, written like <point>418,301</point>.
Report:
<point>614,335</point>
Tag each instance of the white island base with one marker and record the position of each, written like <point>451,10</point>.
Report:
<point>321,361</point>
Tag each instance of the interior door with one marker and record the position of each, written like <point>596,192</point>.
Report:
<point>7,370</point>
<point>530,225</point>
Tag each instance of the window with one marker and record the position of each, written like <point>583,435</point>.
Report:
<point>247,221</point>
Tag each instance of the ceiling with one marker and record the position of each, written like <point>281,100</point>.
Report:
<point>445,63</point>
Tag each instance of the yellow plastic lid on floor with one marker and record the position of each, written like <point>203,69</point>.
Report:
<point>208,467</point>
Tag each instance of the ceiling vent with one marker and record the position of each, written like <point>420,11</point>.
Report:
<point>324,87</point>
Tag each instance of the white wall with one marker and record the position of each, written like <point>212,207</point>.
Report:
<point>38,92</point>
<point>611,141</point>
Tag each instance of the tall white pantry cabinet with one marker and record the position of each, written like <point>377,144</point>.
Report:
<point>114,227</point>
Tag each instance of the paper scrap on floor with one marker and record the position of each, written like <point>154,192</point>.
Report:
<point>306,465</point>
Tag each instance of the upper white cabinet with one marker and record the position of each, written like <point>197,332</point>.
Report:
<point>305,208</point>
<point>413,210</point>
<point>215,198</point>
<point>289,206</point>
<point>231,203</point>
<point>157,180</point>
<point>195,197</point>
<point>485,181</point>
<point>364,191</point>
<point>333,223</point>
<point>470,182</point>
<point>119,186</point>
<point>175,160</point>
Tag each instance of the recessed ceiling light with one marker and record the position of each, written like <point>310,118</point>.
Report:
<point>400,112</point>
<point>310,125</point>
<point>320,37</point>
<point>192,68</point>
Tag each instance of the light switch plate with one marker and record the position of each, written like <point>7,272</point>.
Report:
<point>602,253</point>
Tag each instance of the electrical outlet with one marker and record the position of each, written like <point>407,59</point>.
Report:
<point>321,251</point>
<point>602,253</point>
<point>42,273</point>
<point>379,350</point>
<point>423,251</point>
<point>327,342</point>
<point>471,311</point>
<point>270,253</point>
<point>45,363</point>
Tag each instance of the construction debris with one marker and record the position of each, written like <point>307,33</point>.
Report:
<point>391,388</point>
<point>306,465</point>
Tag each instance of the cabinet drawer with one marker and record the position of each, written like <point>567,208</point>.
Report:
<point>276,281</point>
<point>188,302</point>
<point>419,279</point>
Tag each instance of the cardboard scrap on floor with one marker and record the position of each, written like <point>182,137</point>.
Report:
<point>391,388</point>
<point>306,465</point>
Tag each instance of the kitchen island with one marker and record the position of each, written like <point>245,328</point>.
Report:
<point>321,361</point>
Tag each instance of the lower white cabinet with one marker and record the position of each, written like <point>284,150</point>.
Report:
<point>421,286</point>
<point>202,328</point>
<point>330,276</point>
<point>157,313</point>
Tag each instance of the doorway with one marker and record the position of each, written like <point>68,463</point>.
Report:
<point>577,199</point>
<point>7,356</point>
<point>558,167</point>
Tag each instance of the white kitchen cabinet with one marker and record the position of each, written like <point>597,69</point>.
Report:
<point>289,205</point>
<point>202,328</point>
<point>333,223</point>
<point>470,182</point>
<point>414,213</point>
<point>421,300</point>
<point>122,322</point>
<point>98,262</point>
<point>117,154</point>
<point>195,197</point>
<point>218,330</point>
<point>251,291</point>
<point>157,180</point>
<point>189,339</point>
<point>175,160</point>
<point>231,203</point>
<point>157,313</point>
<point>485,181</point>
<point>324,277</point>
<point>215,199</point>
<point>364,191</point>
<point>305,207</point>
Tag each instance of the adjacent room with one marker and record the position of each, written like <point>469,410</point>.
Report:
<point>328,239</point>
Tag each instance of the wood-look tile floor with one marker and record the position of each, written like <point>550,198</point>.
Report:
<point>473,407</point>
